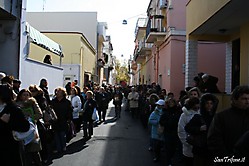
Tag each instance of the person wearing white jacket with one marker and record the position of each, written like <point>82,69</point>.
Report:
<point>189,110</point>
<point>76,104</point>
<point>133,97</point>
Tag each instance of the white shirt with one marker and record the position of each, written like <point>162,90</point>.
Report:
<point>76,104</point>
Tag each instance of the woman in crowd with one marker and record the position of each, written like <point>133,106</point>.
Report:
<point>192,106</point>
<point>89,107</point>
<point>38,94</point>
<point>198,127</point>
<point>32,112</point>
<point>157,138</point>
<point>194,92</point>
<point>76,104</point>
<point>11,119</point>
<point>169,120</point>
<point>63,110</point>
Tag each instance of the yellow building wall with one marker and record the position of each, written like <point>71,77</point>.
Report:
<point>244,54</point>
<point>37,53</point>
<point>76,50</point>
<point>199,11</point>
<point>89,58</point>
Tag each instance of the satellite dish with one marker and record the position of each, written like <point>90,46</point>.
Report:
<point>124,22</point>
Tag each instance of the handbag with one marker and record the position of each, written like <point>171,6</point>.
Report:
<point>49,115</point>
<point>160,129</point>
<point>95,116</point>
<point>28,136</point>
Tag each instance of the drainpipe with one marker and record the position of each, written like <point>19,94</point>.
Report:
<point>157,61</point>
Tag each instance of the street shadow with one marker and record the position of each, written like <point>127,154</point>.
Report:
<point>72,148</point>
<point>76,146</point>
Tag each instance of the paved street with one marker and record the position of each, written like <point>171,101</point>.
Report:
<point>115,143</point>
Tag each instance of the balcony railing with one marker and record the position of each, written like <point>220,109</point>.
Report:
<point>144,48</point>
<point>155,31</point>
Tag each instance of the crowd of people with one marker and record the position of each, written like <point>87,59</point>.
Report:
<point>57,119</point>
<point>186,130</point>
<point>189,130</point>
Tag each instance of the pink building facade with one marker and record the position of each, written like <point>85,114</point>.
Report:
<point>166,62</point>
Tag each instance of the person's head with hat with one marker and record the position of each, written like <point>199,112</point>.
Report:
<point>160,104</point>
<point>16,85</point>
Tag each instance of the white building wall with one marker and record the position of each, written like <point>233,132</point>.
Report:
<point>31,72</point>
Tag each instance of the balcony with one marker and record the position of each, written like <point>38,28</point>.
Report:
<point>144,48</point>
<point>155,32</point>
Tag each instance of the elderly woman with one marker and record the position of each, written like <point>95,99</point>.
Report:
<point>11,119</point>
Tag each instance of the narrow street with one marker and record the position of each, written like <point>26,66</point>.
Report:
<point>115,143</point>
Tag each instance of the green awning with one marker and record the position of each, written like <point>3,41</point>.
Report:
<point>43,41</point>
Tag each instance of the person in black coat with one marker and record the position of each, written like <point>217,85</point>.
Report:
<point>63,109</point>
<point>88,109</point>
<point>117,101</point>
<point>230,125</point>
<point>11,119</point>
<point>102,100</point>
<point>169,120</point>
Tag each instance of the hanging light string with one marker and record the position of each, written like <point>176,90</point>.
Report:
<point>125,21</point>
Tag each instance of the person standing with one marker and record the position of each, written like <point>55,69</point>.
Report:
<point>198,127</point>
<point>44,86</point>
<point>88,109</point>
<point>11,119</point>
<point>229,126</point>
<point>169,120</point>
<point>157,138</point>
<point>63,110</point>
<point>133,101</point>
<point>102,100</point>
<point>117,101</point>
<point>191,108</point>
<point>32,112</point>
<point>76,104</point>
<point>16,85</point>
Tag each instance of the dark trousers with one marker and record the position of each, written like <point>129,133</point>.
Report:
<point>88,128</point>
<point>117,110</point>
<point>157,145</point>
<point>134,112</point>
<point>188,161</point>
<point>102,114</point>
<point>77,124</point>
<point>60,140</point>
<point>173,149</point>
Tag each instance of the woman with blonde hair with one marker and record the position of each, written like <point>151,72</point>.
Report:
<point>33,113</point>
<point>63,109</point>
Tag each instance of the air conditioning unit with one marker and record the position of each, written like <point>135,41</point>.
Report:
<point>163,4</point>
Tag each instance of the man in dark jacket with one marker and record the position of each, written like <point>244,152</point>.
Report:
<point>102,103</point>
<point>117,101</point>
<point>229,125</point>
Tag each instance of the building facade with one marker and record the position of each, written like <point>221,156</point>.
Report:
<point>168,63</point>
<point>17,37</point>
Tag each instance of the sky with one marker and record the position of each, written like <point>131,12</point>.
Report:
<point>111,11</point>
